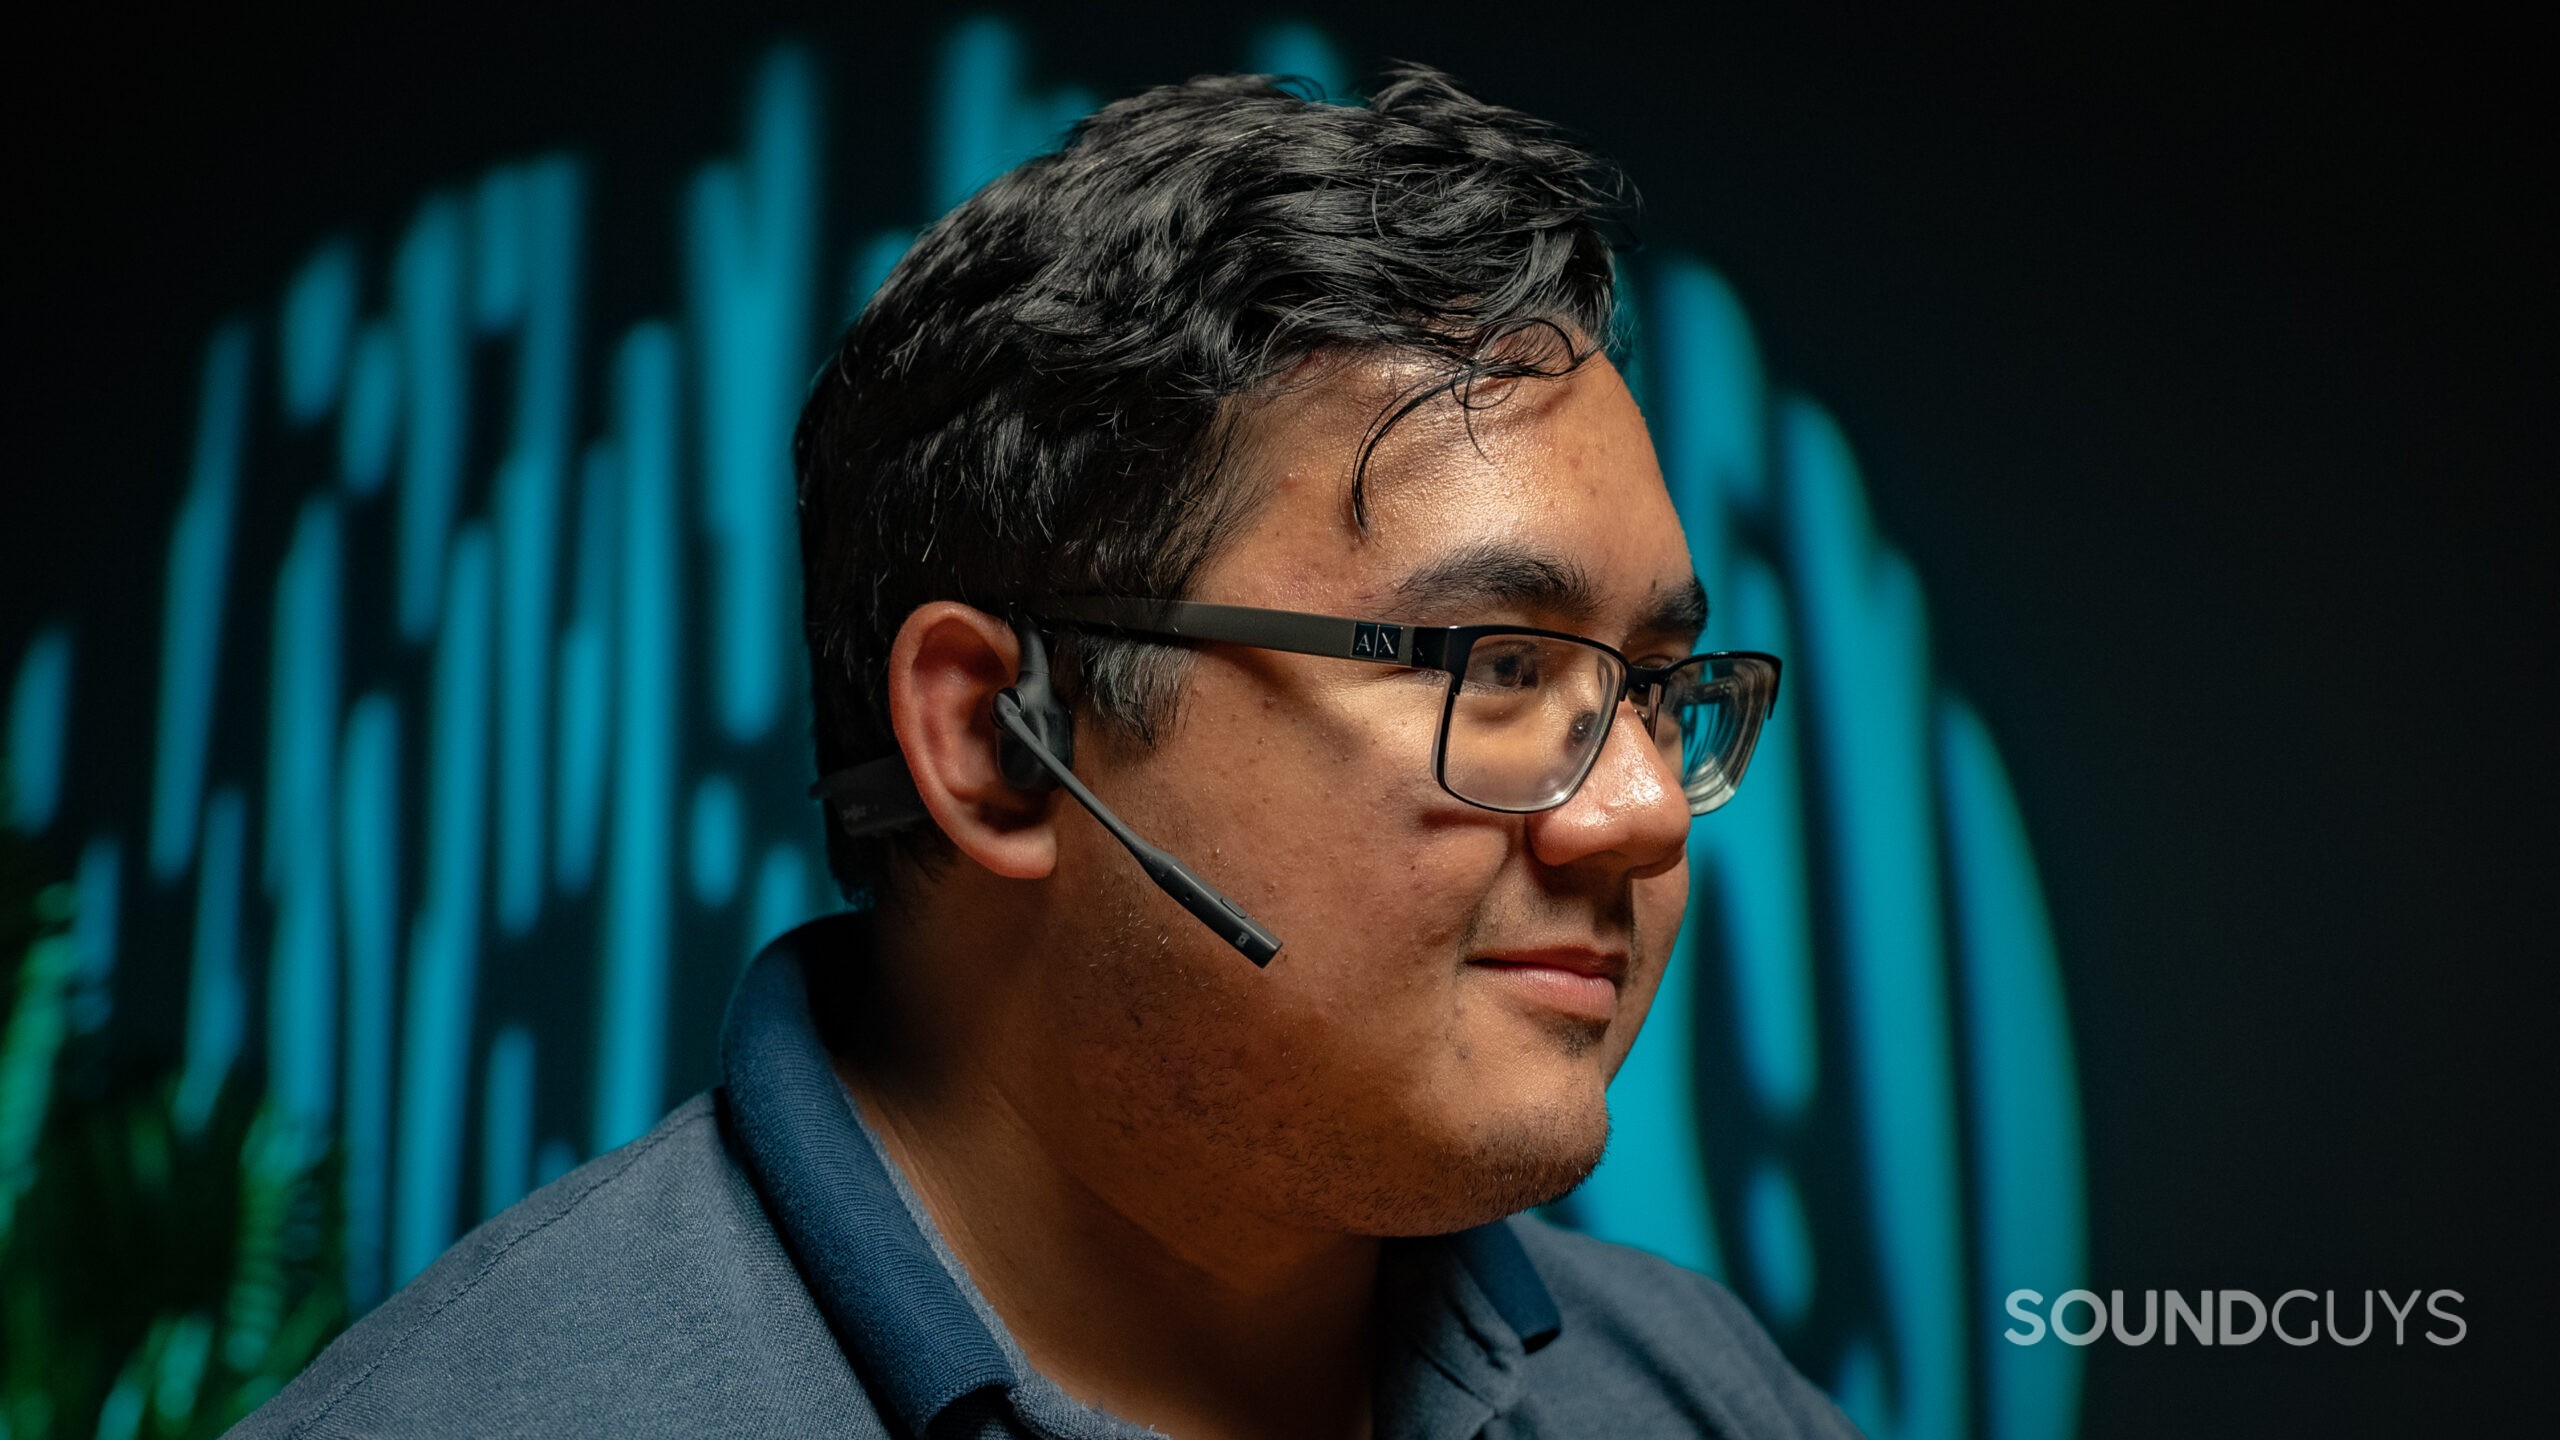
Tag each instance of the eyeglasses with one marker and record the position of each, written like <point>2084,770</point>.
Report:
<point>1527,710</point>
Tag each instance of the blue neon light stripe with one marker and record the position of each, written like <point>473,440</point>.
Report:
<point>302,989</point>
<point>872,263</point>
<point>523,508</point>
<point>554,228</point>
<point>444,938</point>
<point>98,886</point>
<point>1750,856</point>
<point>972,130</point>
<point>783,895</point>
<point>217,1005</point>
<point>985,117</point>
<point>555,1159</point>
<point>1858,1386</point>
<point>2026,1104</point>
<point>369,418</point>
<point>39,714</point>
<point>498,261</point>
<point>368,877</point>
<point>434,354</point>
<point>751,234</point>
<point>719,839</point>
<point>506,1121</point>
<point>1781,1244</point>
<point>1867,682</point>
<point>1294,47</point>
<point>631,1015</point>
<point>586,671</point>
<point>191,632</point>
<point>1756,850</point>
<point>531,241</point>
<point>316,330</point>
<point>1710,417</point>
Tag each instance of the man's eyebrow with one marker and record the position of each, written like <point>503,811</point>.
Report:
<point>1495,575</point>
<point>1682,610</point>
<point>1492,574</point>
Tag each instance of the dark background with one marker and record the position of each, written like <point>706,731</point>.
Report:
<point>2200,363</point>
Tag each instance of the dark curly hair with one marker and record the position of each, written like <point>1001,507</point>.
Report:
<point>1040,400</point>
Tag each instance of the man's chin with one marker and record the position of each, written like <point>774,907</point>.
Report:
<point>1512,1170</point>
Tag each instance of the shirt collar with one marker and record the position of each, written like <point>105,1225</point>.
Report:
<point>897,1312</point>
<point>1492,1255</point>
<point>912,1335</point>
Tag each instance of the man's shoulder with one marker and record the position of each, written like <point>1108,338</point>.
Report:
<point>644,1292</point>
<point>1642,1337</point>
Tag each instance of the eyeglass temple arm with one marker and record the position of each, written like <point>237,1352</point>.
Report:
<point>1376,641</point>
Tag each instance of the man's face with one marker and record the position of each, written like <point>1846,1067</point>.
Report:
<point>1429,1050</point>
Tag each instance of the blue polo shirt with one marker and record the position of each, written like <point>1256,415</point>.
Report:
<point>756,1265</point>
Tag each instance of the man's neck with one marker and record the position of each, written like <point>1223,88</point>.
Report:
<point>1133,1291</point>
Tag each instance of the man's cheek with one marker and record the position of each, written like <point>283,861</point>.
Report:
<point>1662,902</point>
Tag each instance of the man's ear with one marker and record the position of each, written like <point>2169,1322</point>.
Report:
<point>945,668</point>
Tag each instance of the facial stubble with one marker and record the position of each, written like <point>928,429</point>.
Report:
<point>1366,1164</point>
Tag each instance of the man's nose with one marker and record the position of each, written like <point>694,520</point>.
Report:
<point>1630,812</point>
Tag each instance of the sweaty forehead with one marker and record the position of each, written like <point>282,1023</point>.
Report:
<point>1540,502</point>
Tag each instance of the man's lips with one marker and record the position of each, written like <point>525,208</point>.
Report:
<point>1579,982</point>
<point>1581,960</point>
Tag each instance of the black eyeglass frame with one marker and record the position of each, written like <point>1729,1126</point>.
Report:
<point>1380,642</point>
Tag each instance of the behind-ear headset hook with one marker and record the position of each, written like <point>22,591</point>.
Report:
<point>1036,748</point>
<point>1043,713</point>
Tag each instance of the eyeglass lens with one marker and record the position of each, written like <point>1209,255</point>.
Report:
<point>1530,713</point>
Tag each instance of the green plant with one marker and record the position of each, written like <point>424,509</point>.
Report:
<point>154,1280</point>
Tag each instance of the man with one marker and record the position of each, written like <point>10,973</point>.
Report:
<point>1252,653</point>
